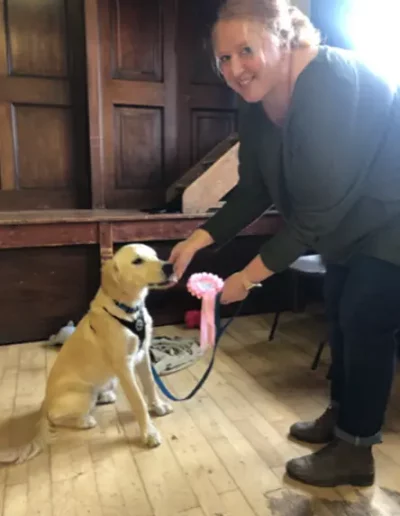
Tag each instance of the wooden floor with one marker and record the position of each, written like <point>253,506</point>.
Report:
<point>223,452</point>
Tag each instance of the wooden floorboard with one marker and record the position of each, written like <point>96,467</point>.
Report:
<point>223,452</point>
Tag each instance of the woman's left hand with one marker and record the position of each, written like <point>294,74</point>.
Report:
<point>234,289</point>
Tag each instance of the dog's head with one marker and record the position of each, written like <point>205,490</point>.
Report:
<point>136,267</point>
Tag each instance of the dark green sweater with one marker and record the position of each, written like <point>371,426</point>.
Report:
<point>332,171</point>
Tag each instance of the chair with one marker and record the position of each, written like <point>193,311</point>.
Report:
<point>307,266</point>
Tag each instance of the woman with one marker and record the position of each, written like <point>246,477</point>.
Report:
<point>319,138</point>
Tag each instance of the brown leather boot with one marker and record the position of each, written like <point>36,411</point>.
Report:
<point>319,431</point>
<point>338,463</point>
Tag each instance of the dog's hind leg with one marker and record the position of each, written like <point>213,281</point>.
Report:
<point>73,410</point>
<point>156,405</point>
<point>107,392</point>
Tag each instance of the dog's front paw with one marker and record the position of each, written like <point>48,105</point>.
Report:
<point>87,422</point>
<point>152,439</point>
<point>161,408</point>
<point>106,397</point>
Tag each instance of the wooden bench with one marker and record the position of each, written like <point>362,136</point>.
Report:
<point>50,260</point>
<point>26,229</point>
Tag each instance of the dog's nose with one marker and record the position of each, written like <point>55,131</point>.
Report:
<point>168,269</point>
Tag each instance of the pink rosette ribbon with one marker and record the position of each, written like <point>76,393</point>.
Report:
<point>206,286</point>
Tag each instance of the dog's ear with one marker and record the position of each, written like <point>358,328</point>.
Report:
<point>110,275</point>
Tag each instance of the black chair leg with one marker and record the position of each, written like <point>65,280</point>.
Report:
<point>318,355</point>
<point>274,325</point>
<point>329,374</point>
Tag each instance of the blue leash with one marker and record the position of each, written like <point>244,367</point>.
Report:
<point>219,332</point>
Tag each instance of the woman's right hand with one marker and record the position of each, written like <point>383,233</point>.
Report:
<point>183,252</point>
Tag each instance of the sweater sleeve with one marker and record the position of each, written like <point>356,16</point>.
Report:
<point>247,201</point>
<point>282,249</point>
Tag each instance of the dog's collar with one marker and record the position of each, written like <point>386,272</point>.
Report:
<point>127,309</point>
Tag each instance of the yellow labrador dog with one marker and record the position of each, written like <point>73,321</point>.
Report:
<point>110,345</point>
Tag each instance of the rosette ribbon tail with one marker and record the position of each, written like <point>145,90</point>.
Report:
<point>207,325</point>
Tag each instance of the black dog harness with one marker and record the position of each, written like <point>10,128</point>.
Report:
<point>137,326</point>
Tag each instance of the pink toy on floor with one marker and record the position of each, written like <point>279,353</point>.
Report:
<point>192,319</point>
<point>206,286</point>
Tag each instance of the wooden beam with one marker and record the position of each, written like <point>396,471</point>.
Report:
<point>95,95</point>
<point>35,91</point>
<point>106,232</point>
<point>157,230</point>
<point>47,235</point>
<point>7,160</point>
<point>106,241</point>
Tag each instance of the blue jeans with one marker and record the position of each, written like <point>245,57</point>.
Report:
<point>363,309</point>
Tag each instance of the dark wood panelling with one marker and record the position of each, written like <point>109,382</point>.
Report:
<point>136,61</point>
<point>138,135</point>
<point>155,55</point>
<point>210,97</point>
<point>95,86</point>
<point>38,200</point>
<point>43,114</point>
<point>106,241</point>
<point>36,37</point>
<point>144,94</point>
<point>79,101</point>
<point>208,129</point>
<point>203,69</point>
<point>199,85</point>
<point>73,227</point>
<point>34,91</point>
<point>7,164</point>
<point>136,40</point>
<point>44,148</point>
<point>47,235</point>
<point>41,289</point>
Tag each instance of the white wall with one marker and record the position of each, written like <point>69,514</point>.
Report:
<point>304,5</point>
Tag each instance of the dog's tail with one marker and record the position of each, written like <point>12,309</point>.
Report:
<point>28,451</point>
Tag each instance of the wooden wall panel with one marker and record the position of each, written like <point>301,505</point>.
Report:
<point>202,70</point>
<point>41,289</point>
<point>155,102</point>
<point>134,64</point>
<point>206,106</point>
<point>208,129</point>
<point>7,163</point>
<point>37,38</point>
<point>44,149</point>
<point>43,127</point>
<point>138,138</point>
<point>136,46</point>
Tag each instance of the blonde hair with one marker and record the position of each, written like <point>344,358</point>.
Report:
<point>293,28</point>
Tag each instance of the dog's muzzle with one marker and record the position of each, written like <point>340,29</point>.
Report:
<point>168,270</point>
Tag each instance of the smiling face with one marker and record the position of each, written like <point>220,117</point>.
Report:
<point>249,57</point>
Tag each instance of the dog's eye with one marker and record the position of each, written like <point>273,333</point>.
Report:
<point>137,261</point>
